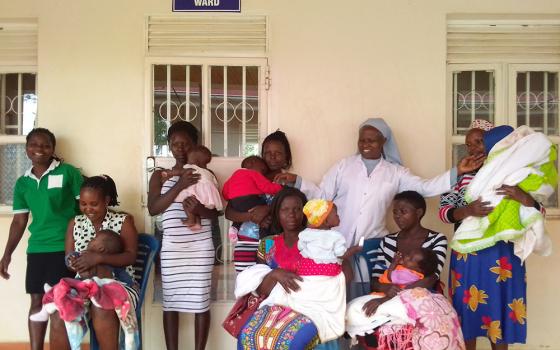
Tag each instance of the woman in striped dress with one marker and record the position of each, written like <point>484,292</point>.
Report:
<point>187,257</point>
<point>278,157</point>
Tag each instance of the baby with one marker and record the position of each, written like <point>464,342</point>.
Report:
<point>319,241</point>
<point>205,190</point>
<point>246,189</point>
<point>361,316</point>
<point>71,296</point>
<point>105,241</point>
<point>403,271</point>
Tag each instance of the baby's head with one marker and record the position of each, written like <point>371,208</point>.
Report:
<point>255,163</point>
<point>495,135</point>
<point>408,209</point>
<point>106,241</point>
<point>421,260</point>
<point>321,214</point>
<point>199,156</point>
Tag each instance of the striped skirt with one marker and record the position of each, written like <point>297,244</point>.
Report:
<point>186,274</point>
<point>245,253</point>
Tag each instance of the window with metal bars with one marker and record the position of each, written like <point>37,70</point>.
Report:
<point>223,102</point>
<point>503,69</point>
<point>18,113</point>
<point>505,93</point>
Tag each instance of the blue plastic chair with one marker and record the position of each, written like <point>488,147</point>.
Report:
<point>367,253</point>
<point>148,246</point>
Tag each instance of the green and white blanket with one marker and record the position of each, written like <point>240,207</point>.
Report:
<point>524,158</point>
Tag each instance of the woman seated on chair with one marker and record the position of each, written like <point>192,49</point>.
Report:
<point>401,311</point>
<point>408,209</point>
<point>96,195</point>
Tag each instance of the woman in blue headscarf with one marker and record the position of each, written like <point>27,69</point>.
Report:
<point>363,186</point>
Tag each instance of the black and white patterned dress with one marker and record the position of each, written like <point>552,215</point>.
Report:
<point>84,232</point>
<point>187,260</point>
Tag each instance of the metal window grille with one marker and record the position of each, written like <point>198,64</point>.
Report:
<point>232,93</point>
<point>473,98</point>
<point>18,103</point>
<point>18,113</point>
<point>537,101</point>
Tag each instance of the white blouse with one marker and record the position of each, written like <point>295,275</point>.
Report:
<point>363,200</point>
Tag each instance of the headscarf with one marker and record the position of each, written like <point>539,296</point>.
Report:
<point>317,211</point>
<point>390,149</point>
<point>481,124</point>
<point>492,137</point>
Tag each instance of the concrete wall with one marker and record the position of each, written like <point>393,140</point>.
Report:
<point>332,64</point>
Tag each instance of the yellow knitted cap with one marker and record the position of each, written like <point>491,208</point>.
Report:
<point>317,211</point>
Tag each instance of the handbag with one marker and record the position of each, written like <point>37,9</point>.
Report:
<point>241,311</point>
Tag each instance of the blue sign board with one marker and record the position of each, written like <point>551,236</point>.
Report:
<point>206,5</point>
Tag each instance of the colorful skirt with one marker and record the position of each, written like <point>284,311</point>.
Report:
<point>278,328</point>
<point>489,292</point>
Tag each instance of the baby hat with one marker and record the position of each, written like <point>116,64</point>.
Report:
<point>317,211</point>
<point>495,135</point>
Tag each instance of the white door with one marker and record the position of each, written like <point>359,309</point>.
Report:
<point>226,99</point>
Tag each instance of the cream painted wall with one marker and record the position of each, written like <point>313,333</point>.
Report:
<point>332,64</point>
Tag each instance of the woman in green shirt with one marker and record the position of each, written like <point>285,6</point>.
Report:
<point>48,190</point>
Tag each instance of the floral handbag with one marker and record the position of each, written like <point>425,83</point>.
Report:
<point>241,311</point>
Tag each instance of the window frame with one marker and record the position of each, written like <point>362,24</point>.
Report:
<point>505,102</point>
<point>206,62</point>
<point>513,69</point>
<point>6,210</point>
<point>499,103</point>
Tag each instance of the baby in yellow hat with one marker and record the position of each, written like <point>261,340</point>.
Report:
<point>319,241</point>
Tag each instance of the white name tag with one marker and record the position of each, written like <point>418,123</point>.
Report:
<point>55,181</point>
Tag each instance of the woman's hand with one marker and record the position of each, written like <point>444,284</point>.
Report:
<point>397,259</point>
<point>266,222</point>
<point>191,204</point>
<point>470,164</point>
<point>259,213</point>
<point>479,208</point>
<point>72,261</point>
<point>188,178</point>
<point>169,173</point>
<point>371,306</point>
<point>4,263</point>
<point>288,280</point>
<point>517,194</point>
<point>86,260</point>
<point>285,179</point>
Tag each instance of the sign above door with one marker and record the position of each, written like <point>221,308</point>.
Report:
<point>206,5</point>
